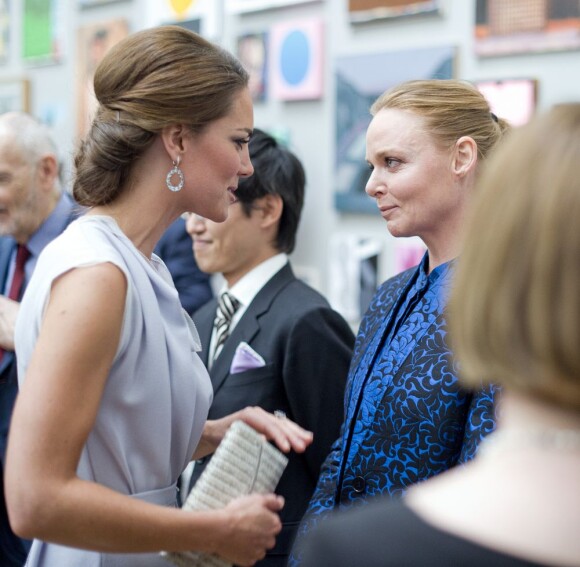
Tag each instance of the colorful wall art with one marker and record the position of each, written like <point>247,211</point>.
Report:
<point>94,40</point>
<point>296,64</point>
<point>252,52</point>
<point>512,99</point>
<point>14,95</point>
<point>523,26</point>
<point>201,16</point>
<point>366,10</point>
<point>247,6</point>
<point>4,30</point>
<point>42,31</point>
<point>360,79</point>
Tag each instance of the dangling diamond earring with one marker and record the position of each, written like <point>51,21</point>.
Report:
<point>175,171</point>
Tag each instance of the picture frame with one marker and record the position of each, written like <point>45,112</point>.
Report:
<point>353,268</point>
<point>296,64</point>
<point>5,35</point>
<point>361,11</point>
<point>507,27</point>
<point>84,4</point>
<point>193,25</point>
<point>358,84</point>
<point>14,95</point>
<point>252,51</point>
<point>513,99</point>
<point>201,16</point>
<point>93,41</point>
<point>248,6</point>
<point>42,32</point>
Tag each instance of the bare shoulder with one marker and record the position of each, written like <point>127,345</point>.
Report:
<point>104,274</point>
<point>87,302</point>
<point>489,504</point>
<point>90,284</point>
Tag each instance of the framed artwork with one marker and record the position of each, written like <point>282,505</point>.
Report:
<point>407,253</point>
<point>252,52</point>
<point>93,3</point>
<point>202,16</point>
<point>247,6</point>
<point>505,27</point>
<point>360,79</point>
<point>94,41</point>
<point>353,268</point>
<point>191,25</point>
<point>4,30</point>
<point>512,99</point>
<point>14,95</point>
<point>296,64</point>
<point>42,31</point>
<point>367,10</point>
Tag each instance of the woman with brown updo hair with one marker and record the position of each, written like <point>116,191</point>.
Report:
<point>113,397</point>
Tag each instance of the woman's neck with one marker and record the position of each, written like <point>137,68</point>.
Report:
<point>520,411</point>
<point>443,248</point>
<point>143,228</point>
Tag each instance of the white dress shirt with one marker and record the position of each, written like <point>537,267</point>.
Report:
<point>246,289</point>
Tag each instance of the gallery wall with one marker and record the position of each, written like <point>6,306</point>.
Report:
<point>325,63</point>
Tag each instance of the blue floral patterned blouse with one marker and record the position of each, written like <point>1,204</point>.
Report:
<point>406,416</point>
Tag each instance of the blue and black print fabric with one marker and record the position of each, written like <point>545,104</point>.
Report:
<point>406,416</point>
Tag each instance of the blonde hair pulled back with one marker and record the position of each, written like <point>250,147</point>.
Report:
<point>451,109</point>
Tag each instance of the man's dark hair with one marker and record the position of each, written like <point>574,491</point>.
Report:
<point>277,171</point>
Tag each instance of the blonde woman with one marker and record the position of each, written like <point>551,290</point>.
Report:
<point>407,418</point>
<point>514,316</point>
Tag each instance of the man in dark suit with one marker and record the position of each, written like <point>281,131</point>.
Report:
<point>33,211</point>
<point>285,349</point>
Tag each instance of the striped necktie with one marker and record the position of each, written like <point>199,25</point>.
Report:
<point>227,306</point>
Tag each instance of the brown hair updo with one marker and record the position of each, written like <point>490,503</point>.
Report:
<point>152,79</point>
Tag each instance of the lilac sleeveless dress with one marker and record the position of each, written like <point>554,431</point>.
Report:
<point>158,393</point>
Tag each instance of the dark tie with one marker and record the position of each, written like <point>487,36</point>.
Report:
<point>227,306</point>
<point>22,255</point>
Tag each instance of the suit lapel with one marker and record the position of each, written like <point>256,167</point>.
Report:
<point>249,325</point>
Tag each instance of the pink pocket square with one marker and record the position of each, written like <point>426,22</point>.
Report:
<point>245,358</point>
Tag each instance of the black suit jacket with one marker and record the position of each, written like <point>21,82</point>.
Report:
<point>307,347</point>
<point>14,548</point>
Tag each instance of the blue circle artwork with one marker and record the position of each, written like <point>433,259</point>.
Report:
<point>295,57</point>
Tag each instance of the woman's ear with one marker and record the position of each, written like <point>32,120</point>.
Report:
<point>173,140</point>
<point>271,207</point>
<point>464,156</point>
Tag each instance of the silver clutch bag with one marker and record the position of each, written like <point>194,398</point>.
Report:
<point>244,463</point>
